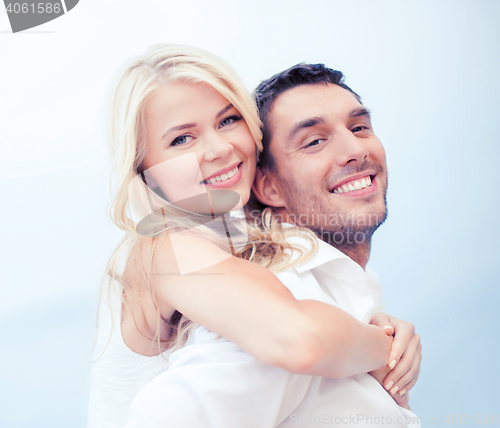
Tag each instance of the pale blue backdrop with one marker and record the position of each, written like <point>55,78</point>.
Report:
<point>428,70</point>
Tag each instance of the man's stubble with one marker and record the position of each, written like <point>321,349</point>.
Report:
<point>331,224</point>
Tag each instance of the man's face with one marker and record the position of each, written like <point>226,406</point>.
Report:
<point>331,168</point>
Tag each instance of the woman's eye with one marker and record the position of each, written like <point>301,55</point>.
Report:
<point>228,120</point>
<point>181,139</point>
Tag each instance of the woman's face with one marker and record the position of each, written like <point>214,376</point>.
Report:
<point>197,141</point>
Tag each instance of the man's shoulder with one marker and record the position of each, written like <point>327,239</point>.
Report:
<point>308,252</point>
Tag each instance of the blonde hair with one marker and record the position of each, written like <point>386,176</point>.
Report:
<point>267,241</point>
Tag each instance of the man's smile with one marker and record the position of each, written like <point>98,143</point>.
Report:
<point>358,185</point>
<point>353,185</point>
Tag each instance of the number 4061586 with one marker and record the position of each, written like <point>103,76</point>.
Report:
<point>33,8</point>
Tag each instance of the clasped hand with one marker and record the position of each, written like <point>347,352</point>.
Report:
<point>403,367</point>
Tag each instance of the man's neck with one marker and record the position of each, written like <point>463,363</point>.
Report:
<point>359,253</point>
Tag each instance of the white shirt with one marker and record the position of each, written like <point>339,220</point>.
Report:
<point>212,382</point>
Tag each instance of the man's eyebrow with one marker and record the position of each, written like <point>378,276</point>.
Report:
<point>308,123</point>
<point>357,112</point>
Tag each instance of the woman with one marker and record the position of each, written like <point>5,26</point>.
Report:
<point>185,139</point>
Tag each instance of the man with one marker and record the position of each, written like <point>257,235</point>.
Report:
<point>323,168</point>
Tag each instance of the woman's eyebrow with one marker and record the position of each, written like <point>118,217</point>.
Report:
<point>178,128</point>
<point>192,125</point>
<point>229,106</point>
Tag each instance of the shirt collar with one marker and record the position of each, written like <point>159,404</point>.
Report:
<point>325,254</point>
<point>358,285</point>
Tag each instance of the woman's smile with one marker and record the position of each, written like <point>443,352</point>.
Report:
<point>226,177</point>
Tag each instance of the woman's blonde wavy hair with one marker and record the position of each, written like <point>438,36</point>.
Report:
<point>267,240</point>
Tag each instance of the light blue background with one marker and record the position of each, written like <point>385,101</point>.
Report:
<point>428,70</point>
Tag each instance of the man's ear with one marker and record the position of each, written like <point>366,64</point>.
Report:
<point>265,189</point>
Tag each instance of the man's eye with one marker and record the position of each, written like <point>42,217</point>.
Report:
<point>181,139</point>
<point>359,128</point>
<point>228,120</point>
<point>314,143</point>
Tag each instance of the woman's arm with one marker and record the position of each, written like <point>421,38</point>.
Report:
<point>247,304</point>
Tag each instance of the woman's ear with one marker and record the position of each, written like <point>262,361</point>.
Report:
<point>265,189</point>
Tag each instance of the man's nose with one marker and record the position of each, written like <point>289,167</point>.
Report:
<point>216,146</point>
<point>350,148</point>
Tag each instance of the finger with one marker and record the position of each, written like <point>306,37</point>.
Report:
<point>383,321</point>
<point>406,388</point>
<point>407,363</point>
<point>404,332</point>
<point>404,380</point>
<point>408,358</point>
<point>389,329</point>
<point>408,380</point>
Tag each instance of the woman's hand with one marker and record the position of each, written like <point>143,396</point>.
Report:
<point>405,357</point>
<point>380,375</point>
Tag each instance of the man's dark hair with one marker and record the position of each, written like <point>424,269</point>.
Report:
<point>267,92</point>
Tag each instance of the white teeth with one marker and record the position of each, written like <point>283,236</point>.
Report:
<point>222,177</point>
<point>354,185</point>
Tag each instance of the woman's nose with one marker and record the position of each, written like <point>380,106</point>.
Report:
<point>216,147</point>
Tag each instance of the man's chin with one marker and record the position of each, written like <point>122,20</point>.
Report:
<point>349,228</point>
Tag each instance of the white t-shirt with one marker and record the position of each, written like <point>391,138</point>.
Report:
<point>118,373</point>
<point>213,383</point>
